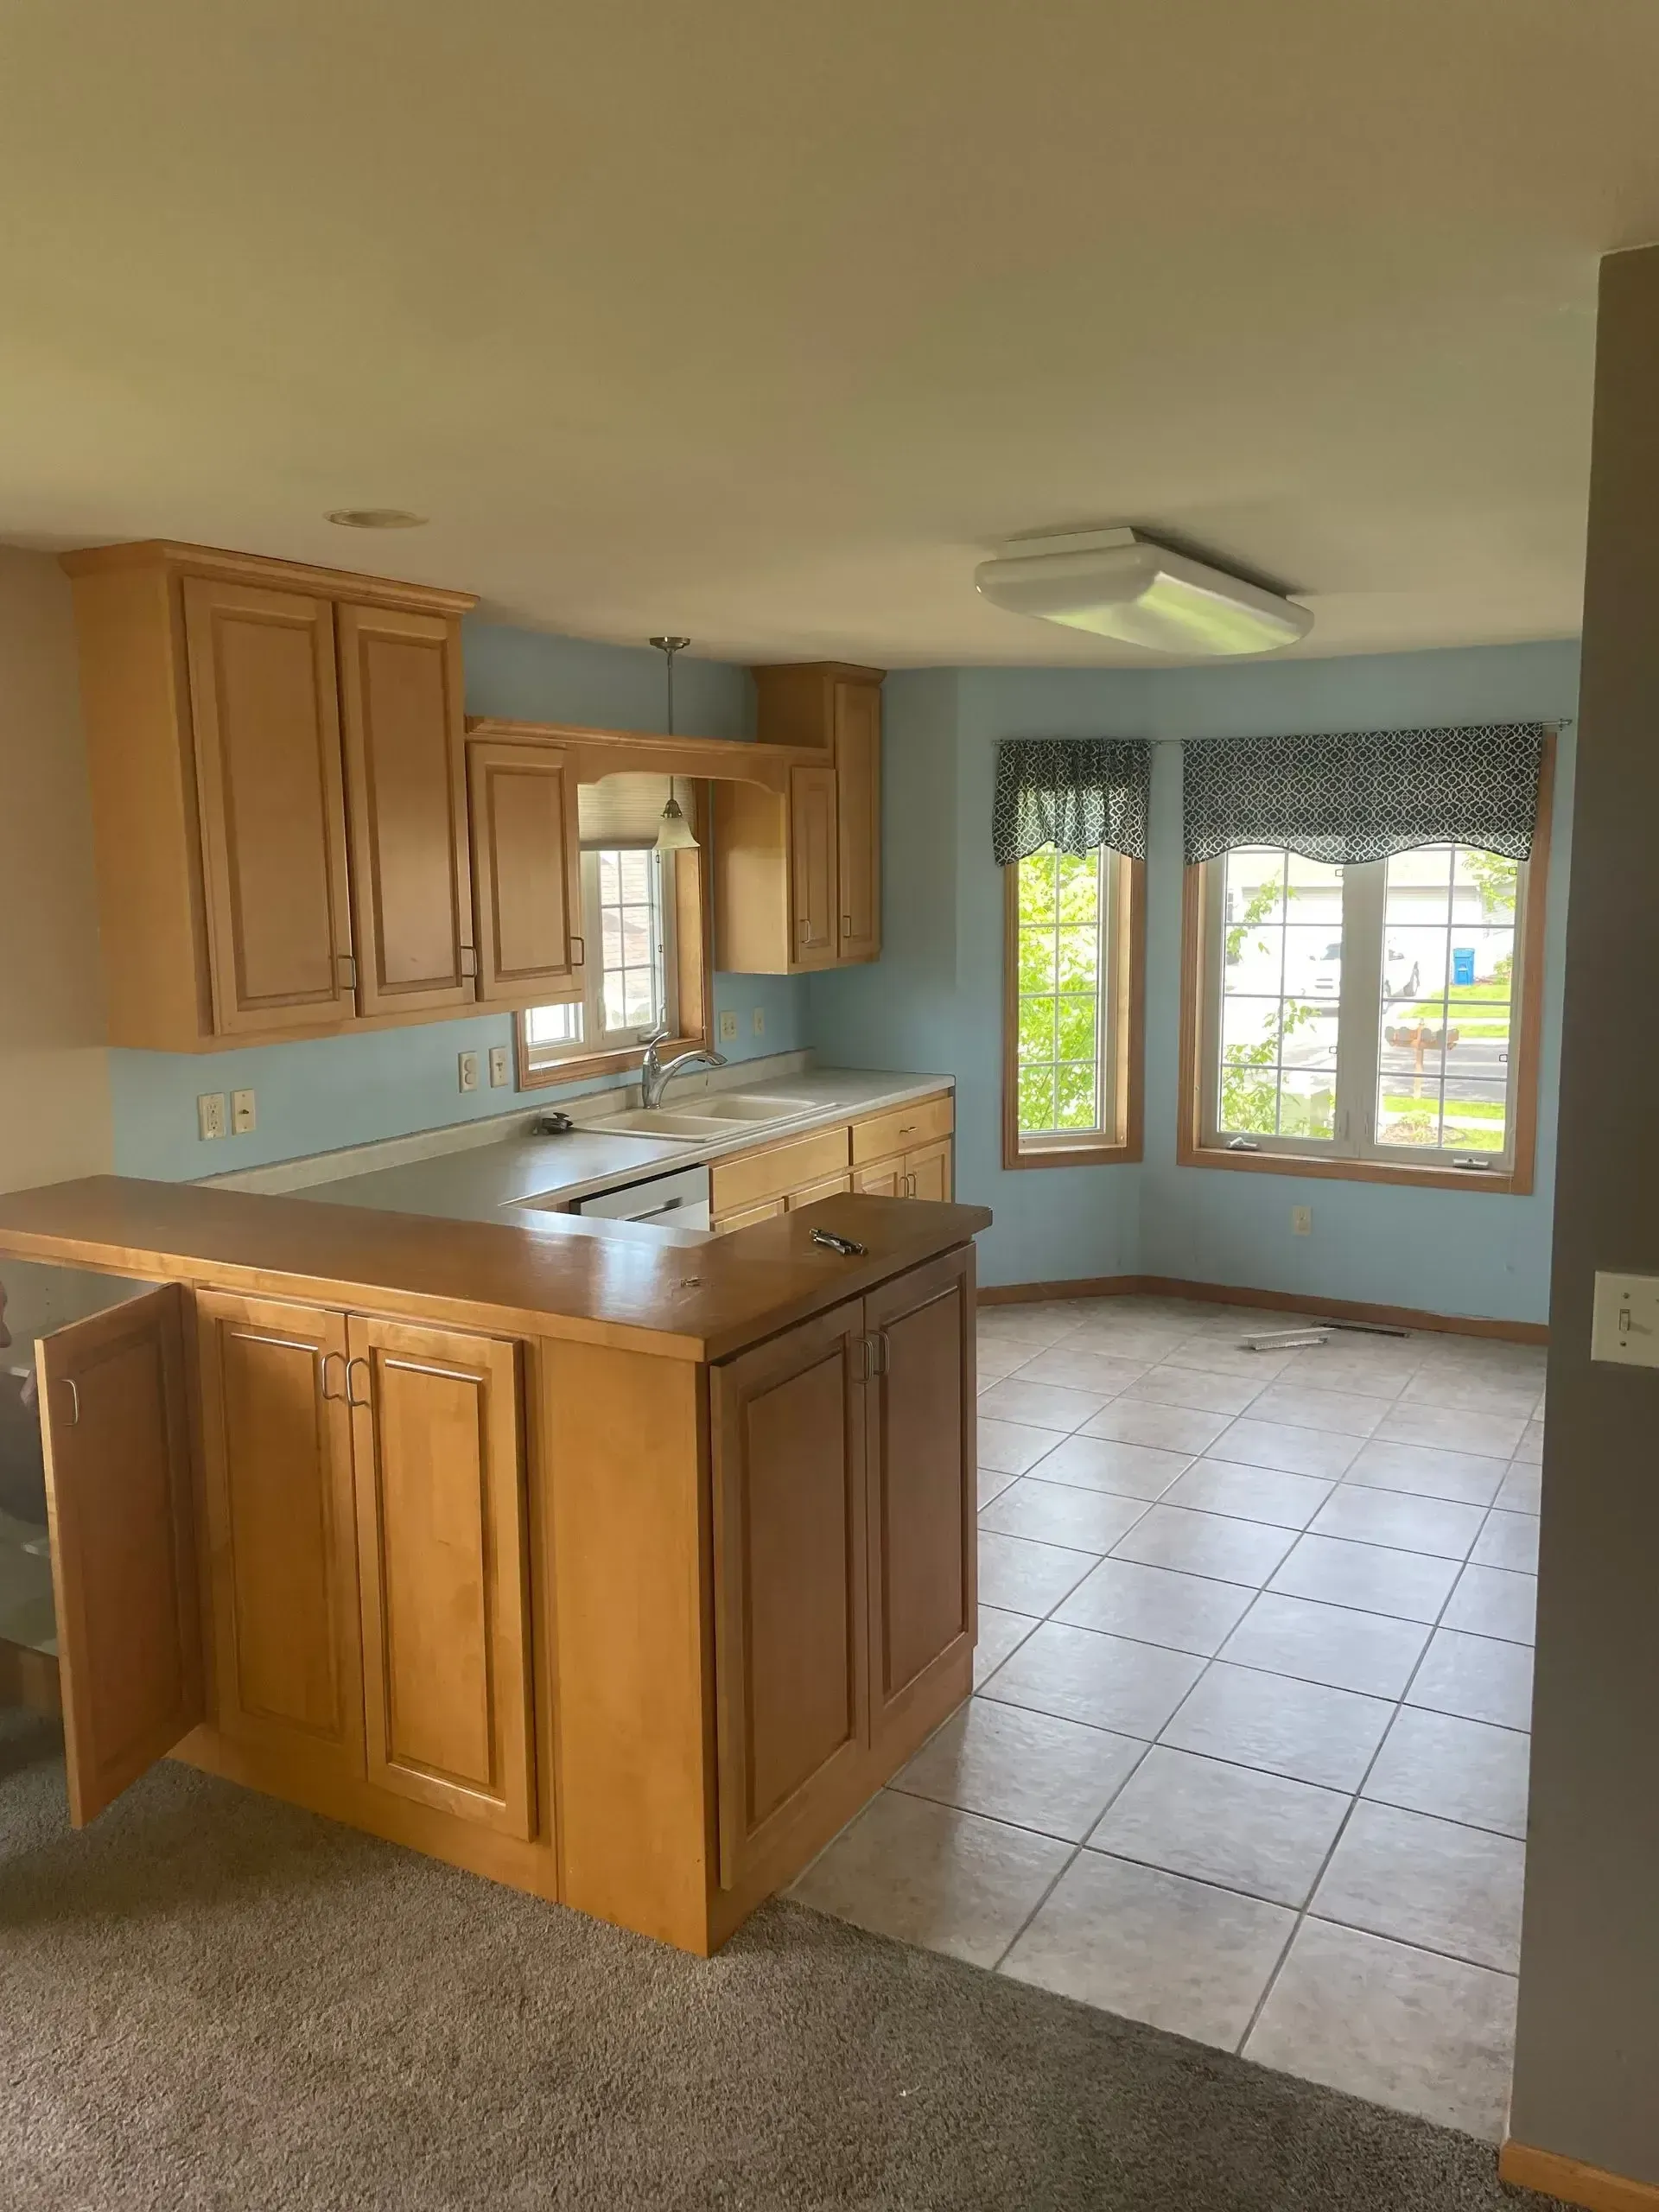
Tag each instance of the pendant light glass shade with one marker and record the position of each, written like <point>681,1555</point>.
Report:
<point>675,835</point>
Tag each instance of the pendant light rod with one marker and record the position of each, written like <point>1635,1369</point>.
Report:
<point>668,647</point>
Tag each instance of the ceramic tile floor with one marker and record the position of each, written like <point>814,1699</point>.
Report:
<point>1246,1756</point>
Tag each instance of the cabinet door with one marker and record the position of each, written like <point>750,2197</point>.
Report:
<point>124,1564</point>
<point>440,1477</point>
<point>922,1481</point>
<point>266,725</point>
<point>928,1170</point>
<point>282,1534</point>
<point>526,872</point>
<point>746,1216</point>
<point>813,879</point>
<point>411,876</point>
<point>832,1186</point>
<point>882,1178</point>
<point>858,817</point>
<point>790,1629</point>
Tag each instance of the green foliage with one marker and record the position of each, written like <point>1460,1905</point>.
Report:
<point>1249,1097</point>
<point>1076,1028</point>
<point>1037,1029</point>
<point>1496,880</point>
<point>1257,907</point>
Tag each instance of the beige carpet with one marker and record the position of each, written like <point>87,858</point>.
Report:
<point>209,1999</point>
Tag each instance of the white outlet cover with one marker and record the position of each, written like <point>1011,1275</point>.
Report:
<point>1625,1323</point>
<point>210,1115</point>
<point>728,1027</point>
<point>467,1064</point>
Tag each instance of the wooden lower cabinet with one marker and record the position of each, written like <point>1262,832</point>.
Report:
<point>281,1527</point>
<point>923,1173</point>
<point>791,1649</point>
<point>746,1216</point>
<point>440,1471</point>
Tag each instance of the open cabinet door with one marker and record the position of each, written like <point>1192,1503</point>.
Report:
<point>119,1501</point>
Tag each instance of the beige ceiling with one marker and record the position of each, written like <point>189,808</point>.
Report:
<point>764,322</point>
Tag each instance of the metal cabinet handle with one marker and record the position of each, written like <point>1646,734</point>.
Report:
<point>806,929</point>
<point>351,1366</point>
<point>346,962</point>
<point>468,961</point>
<point>578,952</point>
<point>74,1400</point>
<point>910,1186</point>
<point>846,925</point>
<point>343,1393</point>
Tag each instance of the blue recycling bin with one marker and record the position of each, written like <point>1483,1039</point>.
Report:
<point>1463,963</point>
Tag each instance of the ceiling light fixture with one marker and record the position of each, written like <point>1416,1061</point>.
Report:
<point>675,835</point>
<point>1117,583</point>
<point>376,519</point>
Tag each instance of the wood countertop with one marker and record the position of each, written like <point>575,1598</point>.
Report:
<point>556,1280</point>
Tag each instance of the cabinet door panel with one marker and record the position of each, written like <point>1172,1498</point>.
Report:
<point>883,1178</point>
<point>921,1460</point>
<point>789,1580</point>
<point>929,1170</point>
<point>266,726</point>
<point>832,1186</point>
<point>858,817</point>
<point>746,1216</point>
<point>411,876</point>
<point>276,1457</point>
<point>812,877</point>
<point>124,1567</point>
<point>439,1465</point>
<point>526,872</point>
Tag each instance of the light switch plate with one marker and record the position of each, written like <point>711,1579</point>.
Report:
<point>1301,1221</point>
<point>243,1117</point>
<point>467,1063</point>
<point>759,1021</point>
<point>210,1114</point>
<point>728,1027</point>
<point>1624,1326</point>
<point>498,1071</point>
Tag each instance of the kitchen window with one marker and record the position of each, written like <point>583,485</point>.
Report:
<point>1071,1020</point>
<point>644,929</point>
<point>1378,1019</point>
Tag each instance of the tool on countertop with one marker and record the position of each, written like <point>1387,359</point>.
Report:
<point>848,1247</point>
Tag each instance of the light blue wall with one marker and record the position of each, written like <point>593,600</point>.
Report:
<point>327,1092</point>
<point>934,1001</point>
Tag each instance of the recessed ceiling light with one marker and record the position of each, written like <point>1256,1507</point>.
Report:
<point>376,519</point>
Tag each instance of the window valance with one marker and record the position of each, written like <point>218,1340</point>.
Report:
<point>1363,796</point>
<point>1076,793</point>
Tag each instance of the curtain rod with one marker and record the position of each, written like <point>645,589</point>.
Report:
<point>1553,728</point>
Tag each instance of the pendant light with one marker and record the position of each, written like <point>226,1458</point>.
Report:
<point>675,835</point>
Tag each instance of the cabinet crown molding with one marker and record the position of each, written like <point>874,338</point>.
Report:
<point>179,559</point>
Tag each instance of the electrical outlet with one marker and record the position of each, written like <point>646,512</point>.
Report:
<point>728,1027</point>
<point>242,1114</point>
<point>758,1022</point>
<point>467,1063</point>
<point>210,1114</point>
<point>1301,1221</point>
<point>498,1070</point>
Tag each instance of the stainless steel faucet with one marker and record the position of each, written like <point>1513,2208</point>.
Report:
<point>654,1077</point>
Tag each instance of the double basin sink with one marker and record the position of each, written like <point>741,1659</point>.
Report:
<point>718,1115</point>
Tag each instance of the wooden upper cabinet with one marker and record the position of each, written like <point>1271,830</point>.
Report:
<point>797,878</point>
<point>281,1529</point>
<point>526,872</point>
<point>401,719</point>
<point>812,874</point>
<point>441,1503</point>
<point>279,817</point>
<point>921,1457</point>
<point>263,705</point>
<point>857,710</point>
<point>114,1424</point>
<point>791,1687</point>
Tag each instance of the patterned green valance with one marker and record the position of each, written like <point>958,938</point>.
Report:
<point>1076,793</point>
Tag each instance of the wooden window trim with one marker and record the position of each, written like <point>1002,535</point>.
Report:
<point>1128,1017</point>
<point>695,979</point>
<point>1191,1151</point>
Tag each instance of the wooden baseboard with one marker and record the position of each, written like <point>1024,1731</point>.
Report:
<point>1273,1301</point>
<point>1551,2175</point>
<point>29,1679</point>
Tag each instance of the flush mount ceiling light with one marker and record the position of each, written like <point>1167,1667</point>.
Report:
<point>1119,584</point>
<point>376,519</point>
<point>676,833</point>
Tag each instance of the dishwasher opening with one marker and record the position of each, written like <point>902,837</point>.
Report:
<point>678,1201</point>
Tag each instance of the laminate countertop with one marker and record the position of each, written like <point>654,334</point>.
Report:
<point>559,1278</point>
<point>490,1182</point>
